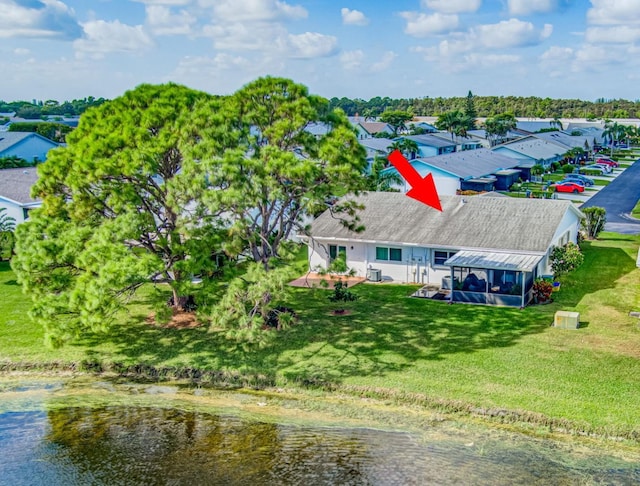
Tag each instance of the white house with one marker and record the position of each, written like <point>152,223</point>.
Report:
<point>482,249</point>
<point>15,192</point>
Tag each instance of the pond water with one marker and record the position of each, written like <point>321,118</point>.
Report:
<point>101,434</point>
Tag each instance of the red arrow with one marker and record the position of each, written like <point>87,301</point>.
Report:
<point>423,190</point>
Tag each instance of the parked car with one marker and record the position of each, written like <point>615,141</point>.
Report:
<point>607,168</point>
<point>568,186</point>
<point>609,162</point>
<point>603,169</point>
<point>586,181</point>
<point>573,181</point>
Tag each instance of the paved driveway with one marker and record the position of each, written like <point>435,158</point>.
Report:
<point>618,199</point>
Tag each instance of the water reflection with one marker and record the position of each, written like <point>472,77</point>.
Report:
<point>146,445</point>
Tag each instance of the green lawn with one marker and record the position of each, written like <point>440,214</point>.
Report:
<point>471,355</point>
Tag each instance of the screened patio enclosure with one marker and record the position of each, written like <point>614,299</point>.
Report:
<point>492,278</point>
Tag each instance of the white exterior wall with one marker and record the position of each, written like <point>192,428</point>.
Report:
<point>416,266</point>
<point>14,210</point>
<point>567,232</point>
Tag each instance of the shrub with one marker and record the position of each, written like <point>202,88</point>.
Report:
<point>565,259</point>
<point>541,291</point>
<point>341,294</point>
<point>567,169</point>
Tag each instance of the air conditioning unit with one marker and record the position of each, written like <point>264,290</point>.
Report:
<point>566,320</point>
<point>375,275</point>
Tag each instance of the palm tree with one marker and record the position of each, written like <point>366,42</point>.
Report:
<point>498,126</point>
<point>613,132</point>
<point>405,146</point>
<point>380,179</point>
<point>454,122</point>
<point>7,223</point>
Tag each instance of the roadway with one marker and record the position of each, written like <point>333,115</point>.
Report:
<point>618,198</point>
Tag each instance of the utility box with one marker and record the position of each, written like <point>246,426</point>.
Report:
<point>375,275</point>
<point>567,320</point>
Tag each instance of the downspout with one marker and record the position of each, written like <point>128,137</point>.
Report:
<point>522,286</point>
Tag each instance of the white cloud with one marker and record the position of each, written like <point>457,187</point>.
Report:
<point>384,63</point>
<point>355,61</point>
<point>510,33</point>
<point>352,60</point>
<point>103,37</point>
<point>310,45</point>
<point>163,22</point>
<point>38,18</point>
<point>258,25</point>
<point>557,54</point>
<point>484,61</point>
<point>557,60</point>
<point>452,6</point>
<point>223,73</point>
<point>21,51</point>
<point>241,36</point>
<point>614,12</point>
<point>527,7</point>
<point>591,56</point>
<point>254,10</point>
<point>353,17</point>
<point>621,34</point>
<point>424,25</point>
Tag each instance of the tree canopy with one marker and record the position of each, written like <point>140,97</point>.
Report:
<point>154,184</point>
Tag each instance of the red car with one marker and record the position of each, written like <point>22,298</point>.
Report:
<point>569,187</point>
<point>609,162</point>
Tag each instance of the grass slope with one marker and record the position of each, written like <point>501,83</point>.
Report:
<point>486,357</point>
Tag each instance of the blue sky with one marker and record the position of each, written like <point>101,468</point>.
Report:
<point>66,49</point>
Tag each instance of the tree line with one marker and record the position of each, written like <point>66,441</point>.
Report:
<point>38,109</point>
<point>486,106</point>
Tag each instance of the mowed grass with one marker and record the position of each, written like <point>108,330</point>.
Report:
<point>488,357</point>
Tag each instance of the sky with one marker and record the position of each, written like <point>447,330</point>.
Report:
<point>71,49</point>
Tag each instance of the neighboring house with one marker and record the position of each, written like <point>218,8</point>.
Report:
<point>371,128</point>
<point>594,134</point>
<point>476,170</point>
<point>531,150</point>
<point>25,145</point>
<point>567,142</point>
<point>490,141</point>
<point>15,192</point>
<point>482,249</point>
<point>527,127</point>
<point>470,142</point>
<point>429,145</point>
<point>375,147</point>
<point>427,127</point>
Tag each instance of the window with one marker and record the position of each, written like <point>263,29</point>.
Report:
<point>388,254</point>
<point>440,256</point>
<point>335,250</point>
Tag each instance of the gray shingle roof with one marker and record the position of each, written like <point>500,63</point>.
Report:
<point>564,139</point>
<point>430,140</point>
<point>533,147</point>
<point>472,223</point>
<point>471,163</point>
<point>15,184</point>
